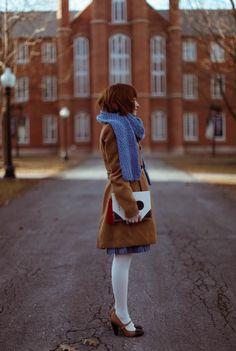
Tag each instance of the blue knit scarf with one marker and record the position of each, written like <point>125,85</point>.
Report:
<point>128,130</point>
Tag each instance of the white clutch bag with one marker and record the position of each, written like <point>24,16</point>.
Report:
<point>143,200</point>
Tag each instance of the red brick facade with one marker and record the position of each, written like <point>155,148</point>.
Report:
<point>173,122</point>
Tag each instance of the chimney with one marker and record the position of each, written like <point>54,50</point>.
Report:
<point>63,13</point>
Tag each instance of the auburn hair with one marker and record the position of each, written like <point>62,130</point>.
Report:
<point>118,98</point>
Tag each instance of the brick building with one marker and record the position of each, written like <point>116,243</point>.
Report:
<point>76,55</point>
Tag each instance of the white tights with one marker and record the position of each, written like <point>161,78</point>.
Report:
<point>120,280</point>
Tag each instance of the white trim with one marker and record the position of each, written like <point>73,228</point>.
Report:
<point>22,89</point>
<point>190,124</point>
<point>217,52</point>
<point>49,88</point>
<point>50,129</point>
<point>215,86</point>
<point>190,86</point>
<point>81,67</point>
<point>82,127</point>
<point>22,53</point>
<point>48,52</point>
<point>119,59</point>
<point>158,66</point>
<point>159,126</point>
<point>23,133</point>
<point>189,51</point>
<point>118,11</point>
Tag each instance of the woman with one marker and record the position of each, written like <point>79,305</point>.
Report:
<point>120,147</point>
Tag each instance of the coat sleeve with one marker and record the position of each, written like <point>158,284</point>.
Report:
<point>121,188</point>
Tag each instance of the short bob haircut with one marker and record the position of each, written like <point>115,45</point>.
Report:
<point>118,98</point>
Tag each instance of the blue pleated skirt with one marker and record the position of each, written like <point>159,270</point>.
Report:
<point>128,250</point>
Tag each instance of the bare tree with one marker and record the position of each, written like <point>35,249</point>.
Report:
<point>216,29</point>
<point>23,23</point>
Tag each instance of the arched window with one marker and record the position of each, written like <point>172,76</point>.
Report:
<point>81,67</point>
<point>119,51</point>
<point>119,11</point>
<point>82,127</point>
<point>159,126</point>
<point>158,66</point>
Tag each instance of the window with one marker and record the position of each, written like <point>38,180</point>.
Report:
<point>190,126</point>
<point>22,54</point>
<point>217,86</point>
<point>24,131</point>
<point>81,67</point>
<point>158,66</point>
<point>219,127</point>
<point>49,88</point>
<point>49,129</point>
<point>217,52</point>
<point>22,89</point>
<point>119,11</point>
<point>159,126</point>
<point>189,51</point>
<point>82,127</point>
<point>48,52</point>
<point>190,86</point>
<point>120,71</point>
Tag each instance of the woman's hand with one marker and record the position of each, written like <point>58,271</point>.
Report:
<point>134,219</point>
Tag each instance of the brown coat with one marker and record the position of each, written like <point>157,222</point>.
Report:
<point>121,234</point>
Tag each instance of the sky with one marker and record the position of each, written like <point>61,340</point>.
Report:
<point>81,4</point>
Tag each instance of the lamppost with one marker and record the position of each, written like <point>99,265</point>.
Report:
<point>64,114</point>
<point>8,80</point>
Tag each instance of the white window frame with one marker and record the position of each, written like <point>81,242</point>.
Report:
<point>82,129</point>
<point>189,51</point>
<point>22,53</point>
<point>81,67</point>
<point>22,89</point>
<point>119,11</point>
<point>158,66</point>
<point>217,52</point>
<point>191,126</point>
<point>190,86</point>
<point>159,126</point>
<point>50,129</point>
<point>24,132</point>
<point>119,59</point>
<point>49,88</point>
<point>215,86</point>
<point>48,53</point>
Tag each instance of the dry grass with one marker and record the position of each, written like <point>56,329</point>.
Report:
<point>204,164</point>
<point>14,187</point>
<point>216,170</point>
<point>34,169</point>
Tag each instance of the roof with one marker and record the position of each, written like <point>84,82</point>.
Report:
<point>44,23</point>
<point>36,24</point>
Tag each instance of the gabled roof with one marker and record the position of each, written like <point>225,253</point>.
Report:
<point>44,23</point>
<point>35,23</point>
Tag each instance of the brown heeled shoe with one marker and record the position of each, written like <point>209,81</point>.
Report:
<point>135,325</point>
<point>117,324</point>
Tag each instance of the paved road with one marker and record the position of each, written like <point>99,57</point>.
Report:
<point>55,285</point>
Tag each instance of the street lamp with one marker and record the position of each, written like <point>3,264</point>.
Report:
<point>8,80</point>
<point>64,114</point>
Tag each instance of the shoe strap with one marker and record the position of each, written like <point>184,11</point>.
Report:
<point>125,325</point>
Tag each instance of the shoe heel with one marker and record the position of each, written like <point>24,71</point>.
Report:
<point>115,328</point>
